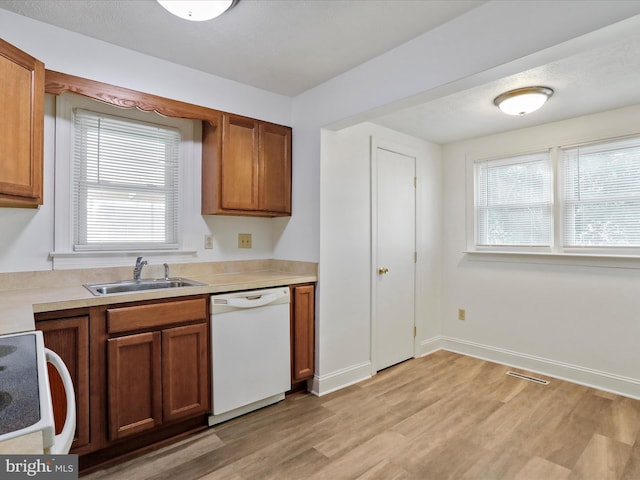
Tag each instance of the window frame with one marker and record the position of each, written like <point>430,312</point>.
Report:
<point>64,254</point>
<point>626,250</point>
<point>614,256</point>
<point>171,178</point>
<point>510,160</point>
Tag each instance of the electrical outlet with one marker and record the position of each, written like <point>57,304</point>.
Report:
<point>208,242</point>
<point>244,240</point>
<point>462,314</point>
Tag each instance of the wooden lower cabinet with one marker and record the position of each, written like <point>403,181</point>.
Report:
<point>302,332</point>
<point>141,372</point>
<point>185,371</point>
<point>68,336</point>
<point>134,388</point>
<point>169,381</point>
<point>160,375</point>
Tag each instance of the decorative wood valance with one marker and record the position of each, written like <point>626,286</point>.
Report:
<point>57,83</point>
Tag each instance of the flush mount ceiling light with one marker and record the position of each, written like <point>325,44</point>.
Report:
<point>522,100</point>
<point>197,10</point>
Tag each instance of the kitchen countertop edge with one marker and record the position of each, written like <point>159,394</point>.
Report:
<point>17,307</point>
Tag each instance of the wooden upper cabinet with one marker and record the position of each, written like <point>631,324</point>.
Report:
<point>21,128</point>
<point>246,168</point>
<point>275,168</point>
<point>239,168</point>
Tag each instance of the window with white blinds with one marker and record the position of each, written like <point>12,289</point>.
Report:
<point>601,194</point>
<point>514,201</point>
<point>125,183</point>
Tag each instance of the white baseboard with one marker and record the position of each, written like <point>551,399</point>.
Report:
<point>628,387</point>
<point>341,378</point>
<point>429,345</point>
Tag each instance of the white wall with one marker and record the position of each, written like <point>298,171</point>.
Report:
<point>457,55</point>
<point>465,52</point>
<point>573,318</point>
<point>462,48</point>
<point>344,352</point>
<point>26,236</point>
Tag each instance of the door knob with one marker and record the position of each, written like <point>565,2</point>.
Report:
<point>382,270</point>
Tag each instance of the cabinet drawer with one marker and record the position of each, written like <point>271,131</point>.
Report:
<point>126,319</point>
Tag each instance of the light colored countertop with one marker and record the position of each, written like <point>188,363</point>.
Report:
<point>30,444</point>
<point>17,305</point>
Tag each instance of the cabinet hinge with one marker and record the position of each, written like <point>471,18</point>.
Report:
<point>415,181</point>
<point>415,331</point>
<point>415,257</point>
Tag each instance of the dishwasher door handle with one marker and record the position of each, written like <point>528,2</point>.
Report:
<point>252,301</point>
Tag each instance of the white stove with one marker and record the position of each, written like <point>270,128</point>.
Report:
<point>25,397</point>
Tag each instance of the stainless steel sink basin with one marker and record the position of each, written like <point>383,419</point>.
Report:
<point>125,286</point>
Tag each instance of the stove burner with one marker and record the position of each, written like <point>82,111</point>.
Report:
<point>19,395</point>
<point>5,400</point>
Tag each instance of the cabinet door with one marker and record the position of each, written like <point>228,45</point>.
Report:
<point>69,338</point>
<point>185,371</point>
<point>239,169</point>
<point>21,128</point>
<point>302,332</point>
<point>135,391</point>
<point>275,168</point>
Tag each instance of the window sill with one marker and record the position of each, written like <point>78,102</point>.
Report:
<point>96,259</point>
<point>591,259</point>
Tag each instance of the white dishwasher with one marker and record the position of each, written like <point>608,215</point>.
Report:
<point>250,351</point>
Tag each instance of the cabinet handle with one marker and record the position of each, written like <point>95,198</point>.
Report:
<point>382,270</point>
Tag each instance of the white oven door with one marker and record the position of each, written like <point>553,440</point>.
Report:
<point>26,408</point>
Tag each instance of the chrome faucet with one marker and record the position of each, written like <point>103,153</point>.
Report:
<point>166,271</point>
<point>137,270</point>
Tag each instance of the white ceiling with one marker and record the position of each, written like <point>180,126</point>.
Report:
<point>284,46</point>
<point>603,77</point>
<point>289,46</point>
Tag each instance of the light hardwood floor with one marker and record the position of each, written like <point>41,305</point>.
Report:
<point>443,416</point>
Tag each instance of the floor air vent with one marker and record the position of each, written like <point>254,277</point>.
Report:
<point>527,377</point>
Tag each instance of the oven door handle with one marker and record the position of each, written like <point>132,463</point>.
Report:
<point>63,441</point>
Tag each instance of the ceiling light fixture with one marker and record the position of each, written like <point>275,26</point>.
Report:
<point>523,100</point>
<point>197,10</point>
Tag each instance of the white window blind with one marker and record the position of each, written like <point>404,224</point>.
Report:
<point>601,194</point>
<point>513,201</point>
<point>125,183</point>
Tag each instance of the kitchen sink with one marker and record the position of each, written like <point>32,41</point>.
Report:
<point>125,286</point>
